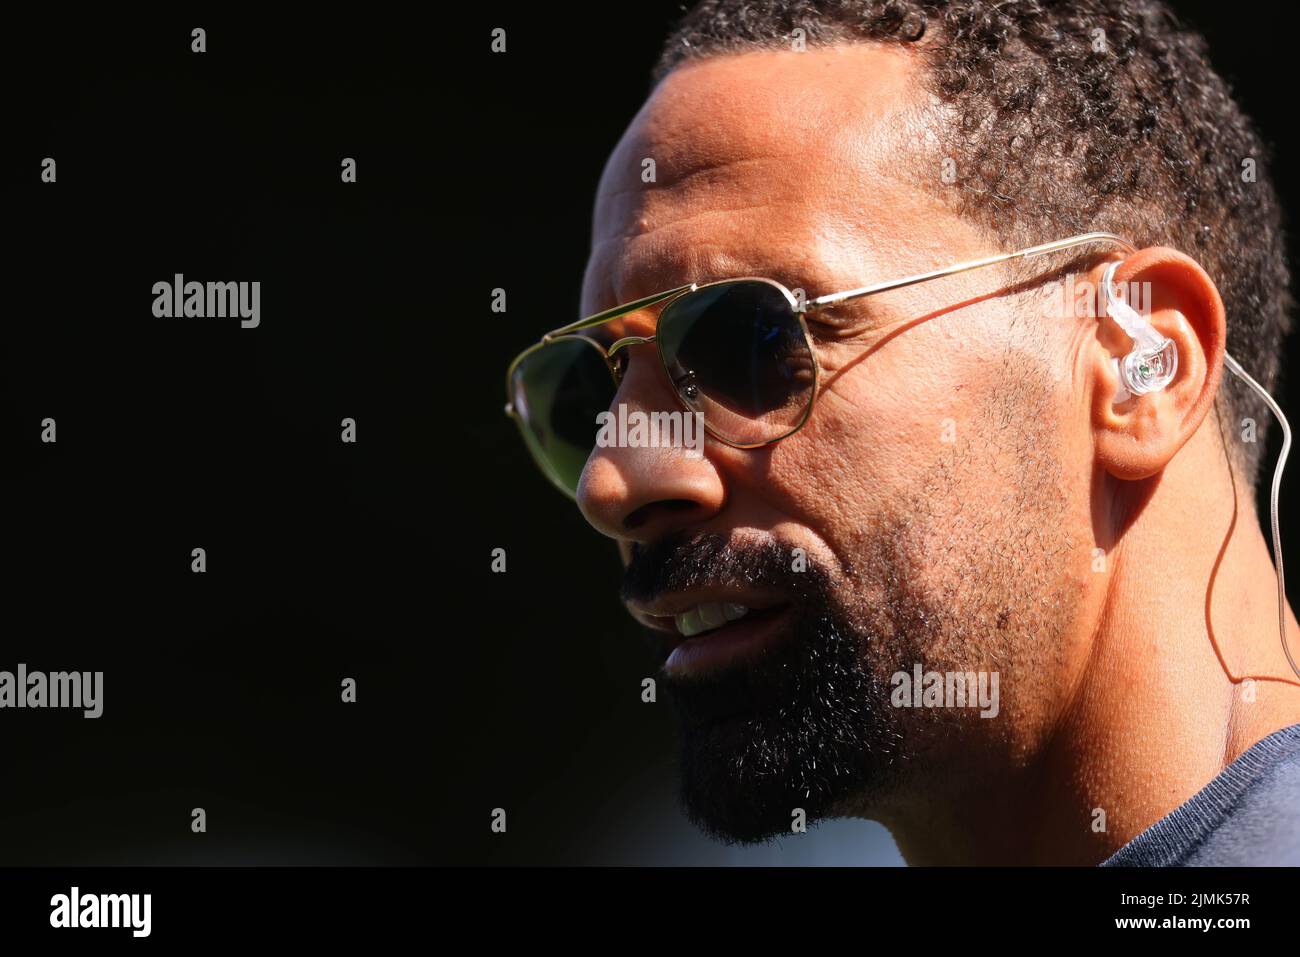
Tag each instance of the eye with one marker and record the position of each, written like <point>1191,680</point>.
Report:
<point>833,324</point>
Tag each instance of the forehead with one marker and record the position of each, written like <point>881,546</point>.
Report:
<point>759,163</point>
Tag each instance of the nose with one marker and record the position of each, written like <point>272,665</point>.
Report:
<point>639,490</point>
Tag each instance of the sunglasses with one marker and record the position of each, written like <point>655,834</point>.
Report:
<point>736,352</point>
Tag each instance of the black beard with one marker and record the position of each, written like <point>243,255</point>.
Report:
<point>804,723</point>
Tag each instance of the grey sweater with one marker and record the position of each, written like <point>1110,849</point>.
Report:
<point>1249,815</point>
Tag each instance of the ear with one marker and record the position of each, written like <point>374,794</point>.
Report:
<point>1137,437</point>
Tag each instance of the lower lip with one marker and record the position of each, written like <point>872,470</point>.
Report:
<point>728,644</point>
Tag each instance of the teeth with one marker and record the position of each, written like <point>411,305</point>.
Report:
<point>690,623</point>
<point>712,615</point>
<point>708,616</point>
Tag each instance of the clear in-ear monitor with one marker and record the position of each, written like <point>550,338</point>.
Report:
<point>1151,366</point>
<point>1153,361</point>
<point>1150,371</point>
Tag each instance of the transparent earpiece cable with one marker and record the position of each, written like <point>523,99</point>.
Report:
<point>1241,374</point>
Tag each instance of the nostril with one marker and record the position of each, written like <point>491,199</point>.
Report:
<point>645,513</point>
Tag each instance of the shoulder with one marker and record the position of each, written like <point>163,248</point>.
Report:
<point>1247,816</point>
<point>1261,827</point>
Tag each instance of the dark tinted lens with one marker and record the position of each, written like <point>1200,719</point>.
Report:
<point>738,354</point>
<point>558,392</point>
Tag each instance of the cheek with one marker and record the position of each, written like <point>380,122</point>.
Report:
<point>937,427</point>
<point>871,441</point>
<point>878,429</point>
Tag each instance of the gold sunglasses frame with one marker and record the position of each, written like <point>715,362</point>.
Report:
<point>1080,240</point>
<point>668,296</point>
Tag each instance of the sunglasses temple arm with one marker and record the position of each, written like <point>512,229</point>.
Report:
<point>972,264</point>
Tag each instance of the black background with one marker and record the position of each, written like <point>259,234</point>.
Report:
<point>327,560</point>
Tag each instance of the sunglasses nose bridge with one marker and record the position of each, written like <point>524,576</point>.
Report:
<point>615,366</point>
<point>627,341</point>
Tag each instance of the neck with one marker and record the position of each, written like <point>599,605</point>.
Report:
<point>1169,686</point>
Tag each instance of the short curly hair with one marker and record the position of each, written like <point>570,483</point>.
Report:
<point>1073,116</point>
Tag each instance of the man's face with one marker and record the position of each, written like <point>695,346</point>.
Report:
<point>933,510</point>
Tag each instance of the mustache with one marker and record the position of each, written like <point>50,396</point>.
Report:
<point>682,561</point>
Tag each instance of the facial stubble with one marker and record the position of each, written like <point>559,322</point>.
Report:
<point>807,725</point>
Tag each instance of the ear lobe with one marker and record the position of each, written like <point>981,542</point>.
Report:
<point>1137,437</point>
